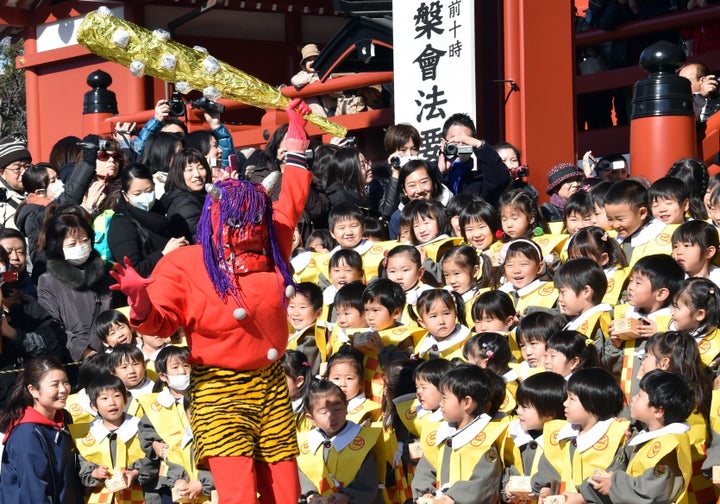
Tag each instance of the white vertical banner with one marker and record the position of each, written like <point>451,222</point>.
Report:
<point>434,65</point>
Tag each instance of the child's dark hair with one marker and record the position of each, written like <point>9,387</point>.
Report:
<point>326,239</point>
<point>346,353</point>
<point>695,175</point>
<point>312,292</point>
<point>662,271</point>
<point>578,273</point>
<point>578,203</point>
<point>598,392</point>
<point>104,382</point>
<point>92,366</point>
<point>526,204</point>
<point>449,299</point>
<point>432,370</point>
<point>546,393</point>
<point>386,292</point>
<point>398,382</point>
<point>426,209</point>
<point>701,294</point>
<point>105,321</point>
<point>494,304</point>
<point>597,193</point>
<point>411,252</point>
<point>125,352</point>
<point>458,203</point>
<point>497,392</point>
<point>670,392</point>
<point>467,258</point>
<point>669,188</point>
<point>164,356</point>
<point>539,326</point>
<point>575,345</point>
<point>491,346</point>
<point>630,192</point>
<point>593,242</point>
<point>296,364</point>
<point>351,295</point>
<point>345,211</point>
<point>376,230</point>
<point>697,232</point>
<point>466,380</point>
<point>479,210</point>
<point>322,387</point>
<point>349,257</point>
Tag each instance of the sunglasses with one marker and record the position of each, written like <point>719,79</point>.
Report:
<point>105,155</point>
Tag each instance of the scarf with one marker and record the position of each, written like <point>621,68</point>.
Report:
<point>557,201</point>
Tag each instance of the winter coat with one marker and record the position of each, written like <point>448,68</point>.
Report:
<point>183,211</point>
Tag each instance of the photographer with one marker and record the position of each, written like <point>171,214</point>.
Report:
<point>519,174</point>
<point>459,153</point>
<point>14,160</point>
<point>704,87</point>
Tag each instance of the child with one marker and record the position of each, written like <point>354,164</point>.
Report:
<point>578,213</point>
<point>563,180</point>
<point>493,311</point>
<point>320,241</point>
<point>696,309</point>
<point>347,226</point>
<point>591,436</point>
<point>655,464</point>
<point>346,266</point>
<point>455,206</point>
<point>150,347</point>
<point>713,183</point>
<point>126,362</point>
<point>491,351</point>
<point>593,242</point>
<point>438,313</point>
<point>540,401</point>
<point>596,195</point>
<point>39,461</point>
<point>581,285</point>
<point>466,272</point>
<point>345,369</point>
<point>113,328</point>
<point>532,334</point>
<point>653,283</point>
<point>466,467</point>
<point>522,266</point>
<point>669,200</point>
<point>712,203</point>
<point>110,449</point>
<point>569,351</point>
<point>303,309</point>
<point>348,304</point>
<point>627,209</point>
<point>403,265</point>
<point>695,246</point>
<point>78,404</point>
<point>336,456</point>
<point>479,222</point>
<point>298,375</point>
<point>519,216</point>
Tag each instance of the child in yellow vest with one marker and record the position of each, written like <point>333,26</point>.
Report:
<point>348,303</point>
<point>150,346</point>
<point>479,223</point>
<point>345,266</point>
<point>403,265</point>
<point>492,351</point>
<point>466,465</point>
<point>653,282</point>
<point>112,462</point>
<point>522,269</point>
<point>569,351</point>
<point>669,200</point>
<point>303,310</point>
<point>345,369</point>
<point>696,310</point>
<point>532,334</point>
<point>78,404</point>
<point>337,456</point>
<point>540,400</point>
<point>464,273</point>
<point>577,215</point>
<point>494,311</point>
<point>581,285</point>
<point>627,208</point>
<point>298,375</point>
<point>695,248</point>
<point>676,352</point>
<point>654,466</point>
<point>128,364</point>
<point>113,328</point>
<point>589,439</point>
<point>593,242</point>
<point>439,312</point>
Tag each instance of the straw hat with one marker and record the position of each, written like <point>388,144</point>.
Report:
<point>309,51</point>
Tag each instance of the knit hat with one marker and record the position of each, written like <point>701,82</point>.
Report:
<point>13,149</point>
<point>561,173</point>
<point>309,51</point>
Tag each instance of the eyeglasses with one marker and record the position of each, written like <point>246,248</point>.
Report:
<point>105,155</point>
<point>18,167</point>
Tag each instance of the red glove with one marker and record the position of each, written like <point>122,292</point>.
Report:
<point>296,140</point>
<point>134,286</point>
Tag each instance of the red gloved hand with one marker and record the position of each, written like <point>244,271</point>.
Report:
<point>296,140</point>
<point>134,286</point>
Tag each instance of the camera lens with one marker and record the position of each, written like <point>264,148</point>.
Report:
<point>395,161</point>
<point>451,150</point>
<point>177,108</point>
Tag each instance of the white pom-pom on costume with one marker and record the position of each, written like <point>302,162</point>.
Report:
<point>121,37</point>
<point>137,68</point>
<point>162,34</point>
<point>104,11</point>
<point>289,291</point>
<point>272,354</point>
<point>183,87</point>
<point>211,93</point>
<point>168,61</point>
<point>240,313</point>
<point>211,65</point>
<point>200,48</point>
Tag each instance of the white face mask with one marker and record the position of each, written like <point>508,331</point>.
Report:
<point>78,254</point>
<point>143,201</point>
<point>179,382</point>
<point>55,189</point>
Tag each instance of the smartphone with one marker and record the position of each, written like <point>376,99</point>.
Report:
<point>9,276</point>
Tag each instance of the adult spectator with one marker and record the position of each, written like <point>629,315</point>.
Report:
<point>64,155</point>
<point>14,244</point>
<point>402,143</point>
<point>158,155</point>
<point>139,229</point>
<point>216,143</point>
<point>704,87</point>
<point>161,121</point>
<point>479,172</point>
<point>185,192</point>
<point>348,179</point>
<point>31,212</point>
<point>563,180</point>
<point>76,286</point>
<point>262,163</point>
<point>317,206</point>
<point>15,158</point>
<point>612,167</point>
<point>519,174</point>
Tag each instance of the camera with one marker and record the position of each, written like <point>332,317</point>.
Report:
<point>454,150</point>
<point>395,162</point>
<point>208,106</point>
<point>177,105</point>
<point>520,173</point>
